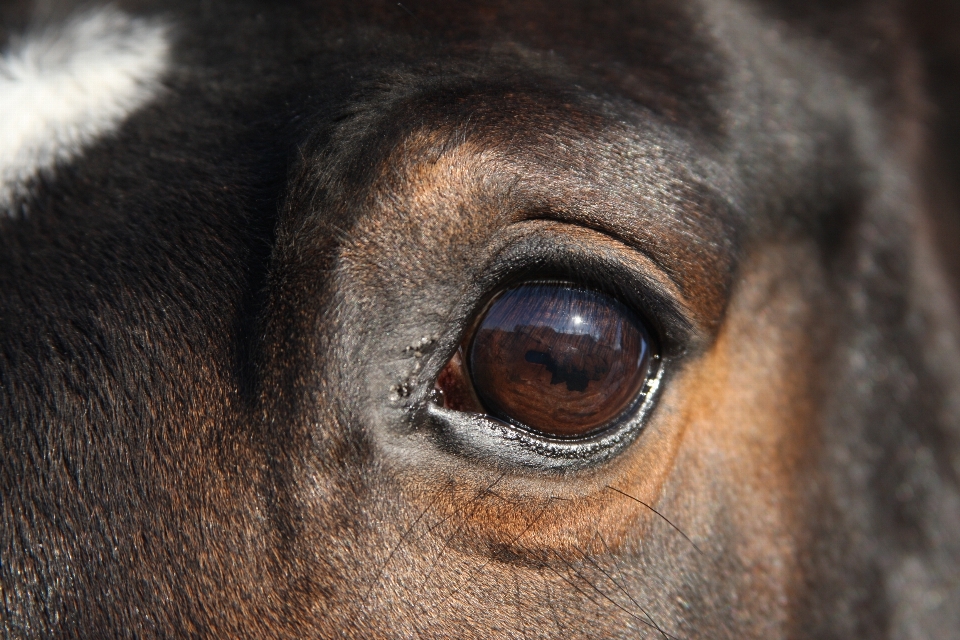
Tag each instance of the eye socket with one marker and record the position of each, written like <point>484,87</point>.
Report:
<point>553,358</point>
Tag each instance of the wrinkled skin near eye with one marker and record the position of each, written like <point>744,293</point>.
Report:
<point>554,358</point>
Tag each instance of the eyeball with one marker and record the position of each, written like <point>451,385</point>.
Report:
<point>557,359</point>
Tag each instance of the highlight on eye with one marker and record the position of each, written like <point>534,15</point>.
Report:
<point>554,358</point>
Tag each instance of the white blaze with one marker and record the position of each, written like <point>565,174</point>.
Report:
<point>63,88</point>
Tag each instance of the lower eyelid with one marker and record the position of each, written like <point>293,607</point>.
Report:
<point>500,446</point>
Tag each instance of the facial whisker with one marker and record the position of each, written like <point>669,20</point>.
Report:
<point>604,595</point>
<point>458,529</point>
<point>623,589</point>
<point>396,548</point>
<point>663,517</point>
<point>487,562</point>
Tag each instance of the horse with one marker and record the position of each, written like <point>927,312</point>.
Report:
<point>369,319</point>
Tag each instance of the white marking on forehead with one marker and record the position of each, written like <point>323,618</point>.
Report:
<point>63,88</point>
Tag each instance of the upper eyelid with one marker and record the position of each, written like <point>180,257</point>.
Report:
<point>651,263</point>
<point>524,240</point>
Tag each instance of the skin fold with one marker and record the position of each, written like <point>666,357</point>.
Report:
<point>222,322</point>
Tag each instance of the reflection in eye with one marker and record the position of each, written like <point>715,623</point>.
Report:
<point>556,358</point>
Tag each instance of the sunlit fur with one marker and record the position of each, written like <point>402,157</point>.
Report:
<point>235,270</point>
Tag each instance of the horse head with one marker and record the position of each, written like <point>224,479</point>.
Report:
<point>457,319</point>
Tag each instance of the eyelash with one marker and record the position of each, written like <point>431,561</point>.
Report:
<point>669,326</point>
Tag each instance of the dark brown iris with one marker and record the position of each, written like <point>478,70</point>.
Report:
<point>557,358</point>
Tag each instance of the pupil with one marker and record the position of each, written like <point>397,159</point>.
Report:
<point>558,359</point>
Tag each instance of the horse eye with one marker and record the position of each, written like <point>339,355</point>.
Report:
<point>554,358</point>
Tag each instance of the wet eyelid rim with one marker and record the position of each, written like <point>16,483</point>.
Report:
<point>538,250</point>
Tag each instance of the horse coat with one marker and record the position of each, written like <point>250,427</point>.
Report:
<point>253,384</point>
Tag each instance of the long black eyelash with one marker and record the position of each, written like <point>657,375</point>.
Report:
<point>669,326</point>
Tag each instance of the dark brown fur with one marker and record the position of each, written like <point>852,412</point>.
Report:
<point>219,330</point>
